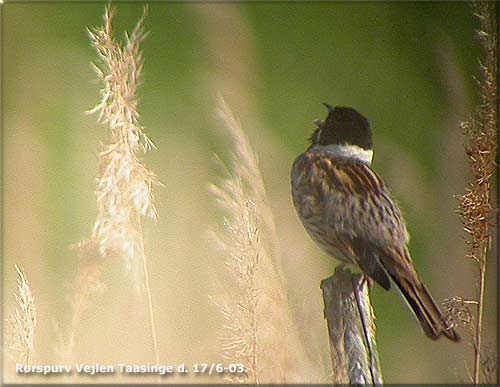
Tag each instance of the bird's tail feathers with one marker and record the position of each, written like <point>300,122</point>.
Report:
<point>424,307</point>
<point>427,312</point>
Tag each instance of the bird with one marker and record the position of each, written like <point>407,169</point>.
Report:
<point>346,208</point>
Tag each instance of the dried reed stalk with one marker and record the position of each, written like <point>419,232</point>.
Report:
<point>124,185</point>
<point>22,323</point>
<point>475,206</point>
<point>255,330</point>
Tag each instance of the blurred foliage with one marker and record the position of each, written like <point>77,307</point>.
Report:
<point>390,60</point>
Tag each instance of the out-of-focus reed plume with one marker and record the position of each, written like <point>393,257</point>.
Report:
<point>481,142</point>
<point>256,315</point>
<point>87,284</point>
<point>124,184</point>
<point>22,324</point>
<point>279,347</point>
<point>241,242</point>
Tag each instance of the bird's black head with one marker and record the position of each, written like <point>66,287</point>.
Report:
<point>343,126</point>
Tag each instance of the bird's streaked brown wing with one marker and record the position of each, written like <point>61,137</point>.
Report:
<point>335,201</point>
<point>360,219</point>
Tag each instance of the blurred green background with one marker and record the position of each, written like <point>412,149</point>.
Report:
<point>406,66</point>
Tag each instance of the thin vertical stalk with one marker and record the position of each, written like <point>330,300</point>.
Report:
<point>149,296</point>
<point>481,135</point>
<point>480,309</point>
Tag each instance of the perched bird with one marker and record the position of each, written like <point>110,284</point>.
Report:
<point>347,210</point>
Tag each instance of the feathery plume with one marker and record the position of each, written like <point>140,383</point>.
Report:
<point>22,323</point>
<point>241,242</point>
<point>256,331</point>
<point>124,186</point>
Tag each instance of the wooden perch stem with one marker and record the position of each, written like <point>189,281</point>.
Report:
<point>351,328</point>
